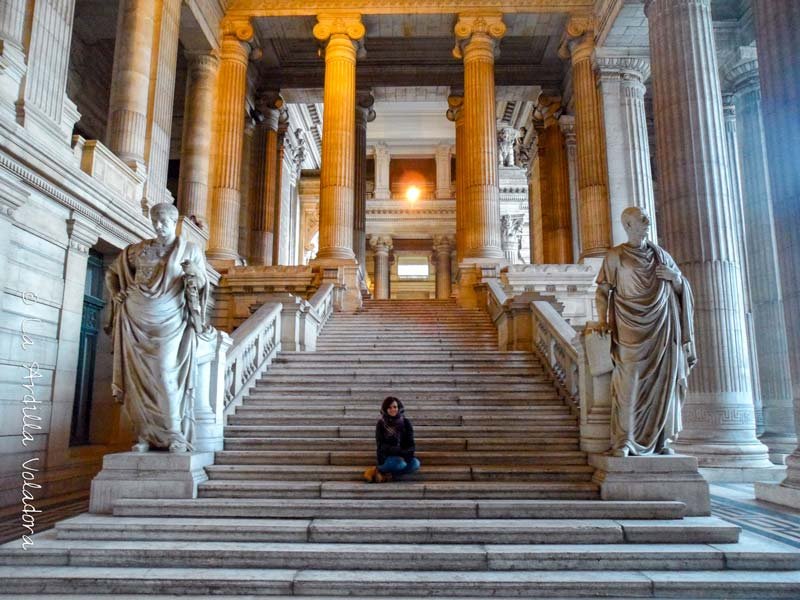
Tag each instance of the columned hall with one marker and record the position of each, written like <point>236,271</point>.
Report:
<point>417,200</point>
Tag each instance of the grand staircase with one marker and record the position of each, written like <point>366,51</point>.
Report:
<point>504,504</point>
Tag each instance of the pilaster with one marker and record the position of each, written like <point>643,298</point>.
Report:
<point>381,245</point>
<point>442,246</point>
<point>455,113</point>
<point>364,114</point>
<point>383,159</point>
<point>443,176</point>
<point>567,125</point>
<point>699,231</point>
<point>266,189</point>
<point>231,88</point>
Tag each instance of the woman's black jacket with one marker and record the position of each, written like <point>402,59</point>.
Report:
<point>394,445</point>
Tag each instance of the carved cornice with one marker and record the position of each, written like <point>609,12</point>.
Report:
<point>488,25</point>
<point>12,196</point>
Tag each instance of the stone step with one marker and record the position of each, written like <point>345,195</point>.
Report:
<point>379,390</point>
<point>690,530</point>
<point>364,420</point>
<point>50,551</point>
<point>422,379</point>
<point>419,410</point>
<point>413,508</point>
<point>318,473</point>
<point>202,582</point>
<point>396,371</point>
<point>405,490</point>
<point>420,433</point>
<point>264,396</point>
<point>454,444</point>
<point>449,356</point>
<point>365,457</point>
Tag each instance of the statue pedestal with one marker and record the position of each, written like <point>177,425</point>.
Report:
<point>151,474</point>
<point>652,478</point>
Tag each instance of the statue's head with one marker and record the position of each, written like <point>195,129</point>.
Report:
<point>636,223</point>
<point>164,217</point>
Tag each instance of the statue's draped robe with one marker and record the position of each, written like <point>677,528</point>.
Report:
<point>154,343</point>
<point>652,347</point>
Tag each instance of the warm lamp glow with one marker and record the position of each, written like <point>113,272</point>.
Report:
<point>412,195</point>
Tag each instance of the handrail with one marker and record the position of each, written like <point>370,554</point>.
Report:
<point>555,342</point>
<point>255,344</point>
<point>322,303</point>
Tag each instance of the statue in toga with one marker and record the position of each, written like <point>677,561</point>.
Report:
<point>159,292</point>
<point>645,304</point>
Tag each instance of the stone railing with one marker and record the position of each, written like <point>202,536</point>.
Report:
<point>255,344</point>
<point>302,320</point>
<point>101,164</point>
<point>573,286</point>
<point>555,342</point>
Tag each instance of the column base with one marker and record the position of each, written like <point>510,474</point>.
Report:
<point>773,473</point>
<point>778,493</point>
<point>780,446</point>
<point>652,478</point>
<point>148,475</point>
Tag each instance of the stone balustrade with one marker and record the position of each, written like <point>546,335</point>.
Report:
<point>109,170</point>
<point>573,286</point>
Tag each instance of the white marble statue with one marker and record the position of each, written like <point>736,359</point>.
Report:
<point>159,292</point>
<point>507,138</point>
<point>645,304</point>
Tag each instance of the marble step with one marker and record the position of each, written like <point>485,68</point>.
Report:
<point>454,444</point>
<point>300,584</point>
<point>366,456</point>
<point>380,390</point>
<point>487,357</point>
<point>412,508</point>
<point>419,410</point>
<point>325,418</point>
<point>690,530</point>
<point>317,473</point>
<point>264,395</point>
<point>354,378</point>
<point>50,551</point>
<point>405,490</point>
<point>405,370</point>
<point>420,433</point>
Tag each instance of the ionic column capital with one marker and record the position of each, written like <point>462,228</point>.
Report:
<point>455,110</point>
<point>610,65</point>
<point>567,124</point>
<point>741,73</point>
<point>477,33</point>
<point>578,43</point>
<point>442,245</point>
<point>269,104</point>
<point>238,29</point>
<point>548,109</point>
<point>381,244</point>
<point>364,111</point>
<point>340,28</point>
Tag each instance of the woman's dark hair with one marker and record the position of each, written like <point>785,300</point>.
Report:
<point>387,402</point>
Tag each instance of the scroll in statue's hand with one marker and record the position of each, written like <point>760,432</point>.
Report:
<point>119,297</point>
<point>190,269</point>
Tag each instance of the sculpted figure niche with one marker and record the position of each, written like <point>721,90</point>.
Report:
<point>159,292</point>
<point>506,141</point>
<point>646,305</point>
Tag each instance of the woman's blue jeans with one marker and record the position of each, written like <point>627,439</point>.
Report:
<point>397,466</point>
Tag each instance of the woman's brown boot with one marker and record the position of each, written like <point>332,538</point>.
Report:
<point>370,475</point>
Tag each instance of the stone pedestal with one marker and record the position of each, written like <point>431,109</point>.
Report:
<point>652,478</point>
<point>133,475</point>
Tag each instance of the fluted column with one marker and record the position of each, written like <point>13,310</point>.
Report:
<point>441,249</point>
<point>364,115</point>
<point>455,113</point>
<point>12,53</point>
<point>556,224</point>
<point>442,171</point>
<point>130,82</point>
<point>279,215</point>
<point>383,159</point>
<point>567,124</point>
<point>44,106</point>
<point>630,180</point>
<point>246,181</point>
<point>161,96</point>
<point>476,38</point>
<point>262,214</point>
<point>592,174</point>
<point>699,231</point>
<point>231,88</point>
<point>769,325</point>
<point>198,119</point>
<point>381,245</point>
<point>342,34</point>
<point>777,24</point>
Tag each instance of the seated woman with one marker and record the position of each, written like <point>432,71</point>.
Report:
<point>394,437</point>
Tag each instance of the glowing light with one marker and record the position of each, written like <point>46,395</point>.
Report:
<point>412,195</point>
